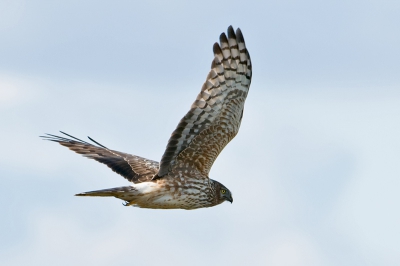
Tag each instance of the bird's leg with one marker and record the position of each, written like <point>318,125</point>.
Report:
<point>128,203</point>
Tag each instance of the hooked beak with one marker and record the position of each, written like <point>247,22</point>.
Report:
<point>230,199</point>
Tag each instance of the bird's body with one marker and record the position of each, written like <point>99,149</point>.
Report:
<point>166,193</point>
<point>180,180</point>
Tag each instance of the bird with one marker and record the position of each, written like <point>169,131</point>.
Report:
<point>181,179</point>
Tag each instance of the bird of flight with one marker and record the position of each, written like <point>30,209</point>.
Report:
<point>180,180</point>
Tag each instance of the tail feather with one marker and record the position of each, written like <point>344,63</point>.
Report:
<point>109,192</point>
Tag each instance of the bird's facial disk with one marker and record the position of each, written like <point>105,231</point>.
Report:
<point>226,194</point>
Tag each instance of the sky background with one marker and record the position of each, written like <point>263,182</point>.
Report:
<point>314,170</point>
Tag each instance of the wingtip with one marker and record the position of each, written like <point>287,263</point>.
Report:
<point>46,135</point>
<point>239,35</point>
<point>97,143</point>
<point>223,38</point>
<point>217,49</point>
<point>231,32</point>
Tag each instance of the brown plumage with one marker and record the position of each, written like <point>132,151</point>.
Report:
<point>180,180</point>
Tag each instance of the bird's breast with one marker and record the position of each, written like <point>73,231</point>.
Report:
<point>174,194</point>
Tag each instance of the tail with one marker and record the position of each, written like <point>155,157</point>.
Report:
<point>109,192</point>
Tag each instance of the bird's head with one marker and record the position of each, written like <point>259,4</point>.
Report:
<point>222,192</point>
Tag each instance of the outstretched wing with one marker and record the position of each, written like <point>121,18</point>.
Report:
<point>214,118</point>
<point>134,168</point>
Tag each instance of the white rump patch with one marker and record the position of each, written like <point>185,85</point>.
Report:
<point>146,187</point>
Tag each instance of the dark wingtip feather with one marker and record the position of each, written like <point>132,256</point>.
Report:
<point>55,138</point>
<point>223,38</point>
<point>239,35</point>
<point>216,48</point>
<point>74,137</point>
<point>97,143</point>
<point>47,136</point>
<point>231,32</point>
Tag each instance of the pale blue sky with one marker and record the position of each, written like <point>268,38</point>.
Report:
<point>314,169</point>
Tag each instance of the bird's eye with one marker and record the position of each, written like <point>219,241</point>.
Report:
<point>223,191</point>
